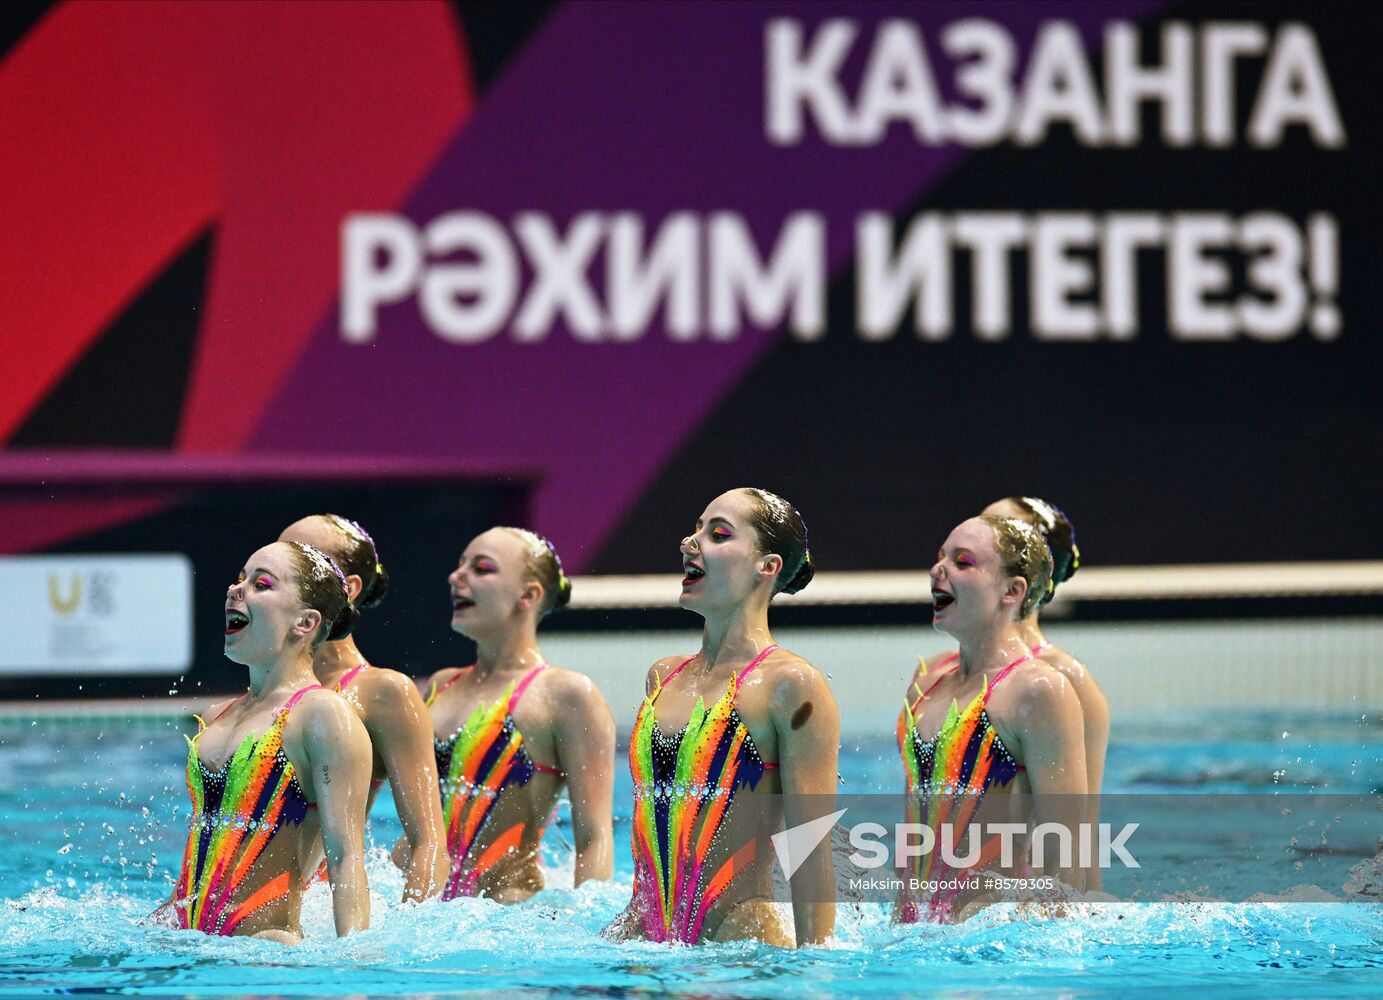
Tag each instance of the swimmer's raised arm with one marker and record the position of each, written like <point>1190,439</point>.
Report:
<point>584,736</point>
<point>806,724</point>
<point>336,749</point>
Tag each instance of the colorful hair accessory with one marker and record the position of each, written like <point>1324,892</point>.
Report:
<point>1043,511</point>
<point>348,527</point>
<point>320,566</point>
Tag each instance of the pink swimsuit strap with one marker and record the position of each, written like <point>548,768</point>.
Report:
<point>990,686</point>
<point>341,685</point>
<point>953,658</point>
<point>288,705</point>
<point>522,686</point>
<point>451,680</point>
<point>282,711</point>
<point>519,689</point>
<point>739,679</point>
<point>229,705</point>
<point>349,676</point>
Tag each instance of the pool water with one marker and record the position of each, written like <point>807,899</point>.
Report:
<point>92,819</point>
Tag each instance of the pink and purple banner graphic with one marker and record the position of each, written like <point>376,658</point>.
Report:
<point>889,258</point>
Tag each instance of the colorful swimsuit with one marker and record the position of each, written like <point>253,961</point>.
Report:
<point>475,765</point>
<point>678,780</point>
<point>950,774</point>
<point>236,811</point>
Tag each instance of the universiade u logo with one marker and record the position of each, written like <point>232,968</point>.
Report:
<point>64,605</point>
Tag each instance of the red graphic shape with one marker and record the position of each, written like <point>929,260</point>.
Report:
<point>126,129</point>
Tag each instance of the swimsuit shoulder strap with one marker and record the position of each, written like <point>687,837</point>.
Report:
<point>432,695</point>
<point>522,686</point>
<point>229,705</point>
<point>771,647</point>
<point>349,676</point>
<point>675,671</point>
<point>297,696</point>
<point>937,680</point>
<point>1004,673</point>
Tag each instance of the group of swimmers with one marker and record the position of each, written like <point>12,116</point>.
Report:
<point>283,776</point>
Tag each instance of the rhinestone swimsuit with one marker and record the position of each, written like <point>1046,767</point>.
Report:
<point>948,775</point>
<point>678,781</point>
<point>236,811</point>
<point>475,765</point>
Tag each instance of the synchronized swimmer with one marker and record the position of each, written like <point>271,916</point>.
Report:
<point>386,702</point>
<point>477,756</point>
<point>511,730</point>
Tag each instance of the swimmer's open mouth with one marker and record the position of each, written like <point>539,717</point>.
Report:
<point>461,603</point>
<point>691,573</point>
<point>235,621</point>
<point>941,599</point>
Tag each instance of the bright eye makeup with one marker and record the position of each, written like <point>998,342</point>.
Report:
<point>264,583</point>
<point>721,533</point>
<point>485,566</point>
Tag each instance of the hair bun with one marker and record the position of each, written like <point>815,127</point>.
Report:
<point>563,596</point>
<point>379,587</point>
<point>1070,565</point>
<point>344,623</point>
<point>803,576</point>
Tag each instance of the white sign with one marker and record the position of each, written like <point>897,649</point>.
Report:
<point>77,614</point>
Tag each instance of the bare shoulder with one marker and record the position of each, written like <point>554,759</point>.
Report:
<point>568,686</point>
<point>660,670</point>
<point>321,706</point>
<point>932,662</point>
<point>321,719</point>
<point>788,676</point>
<point>1071,668</point>
<point>1035,687</point>
<point>209,714</point>
<point>383,688</point>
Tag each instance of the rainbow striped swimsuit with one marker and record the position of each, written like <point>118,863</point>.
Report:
<point>679,781</point>
<point>950,774</point>
<point>236,811</point>
<point>475,765</point>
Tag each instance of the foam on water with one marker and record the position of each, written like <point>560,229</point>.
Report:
<point>91,824</point>
<point>95,940</point>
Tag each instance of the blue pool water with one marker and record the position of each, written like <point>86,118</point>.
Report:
<point>92,819</point>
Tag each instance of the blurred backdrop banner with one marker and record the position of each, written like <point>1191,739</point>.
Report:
<point>589,264</point>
